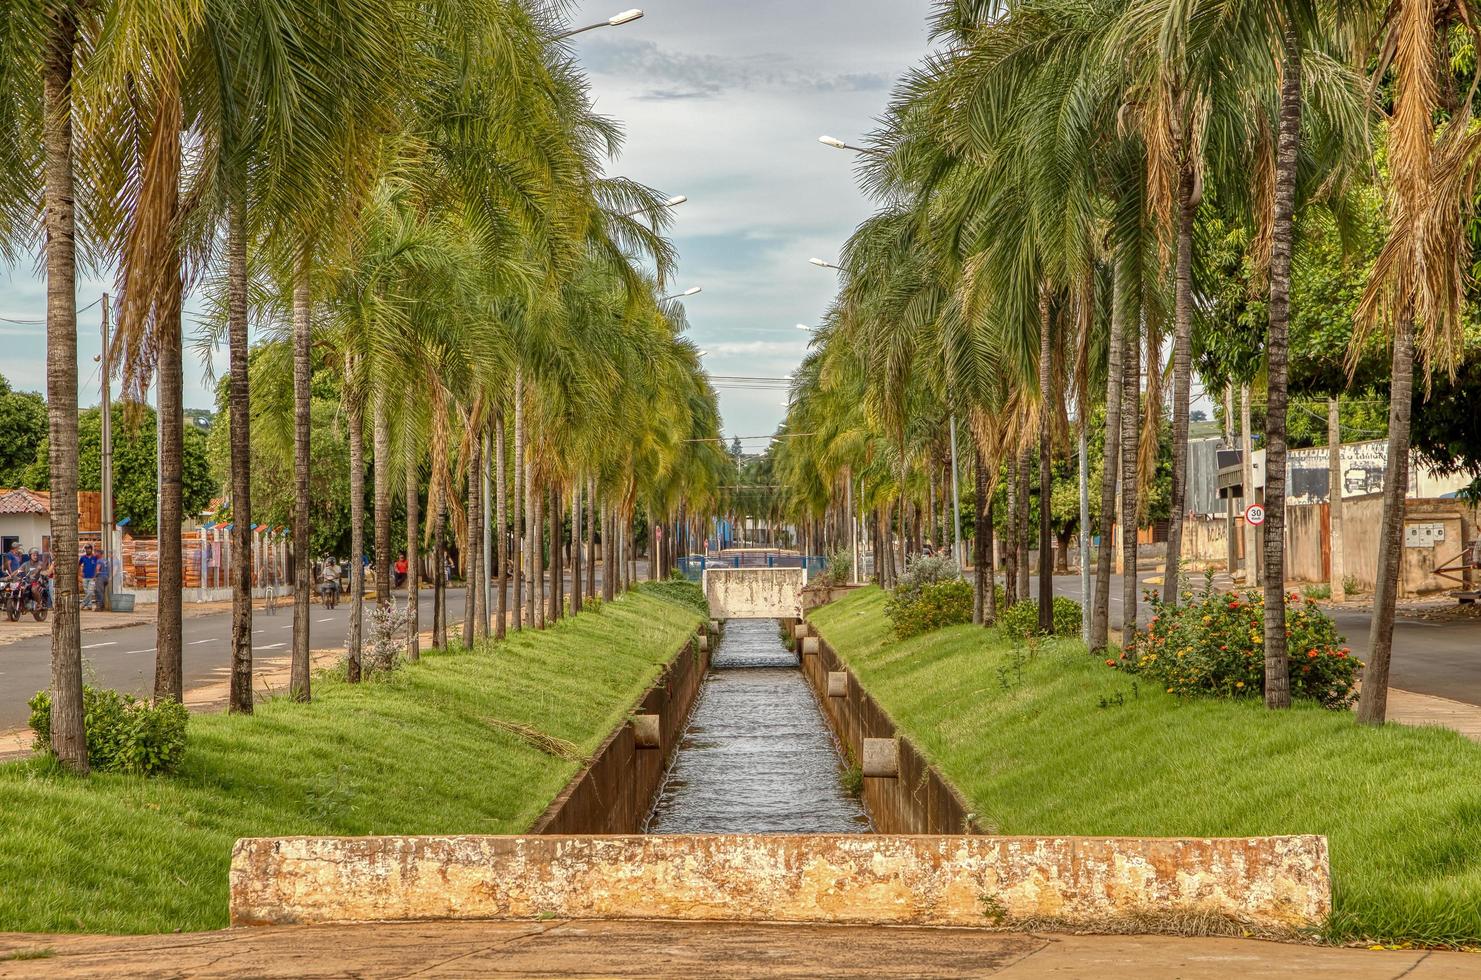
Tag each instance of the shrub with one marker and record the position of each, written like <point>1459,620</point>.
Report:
<point>124,734</point>
<point>1021,620</point>
<point>1317,591</point>
<point>929,607</point>
<point>1214,645</point>
<point>923,571</point>
<point>838,569</point>
<point>387,639</point>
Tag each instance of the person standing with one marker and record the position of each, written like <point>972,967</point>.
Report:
<point>87,564</point>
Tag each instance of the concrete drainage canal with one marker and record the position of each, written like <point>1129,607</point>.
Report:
<point>757,756</point>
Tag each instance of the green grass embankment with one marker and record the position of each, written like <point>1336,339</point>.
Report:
<point>1026,738</point>
<point>412,753</point>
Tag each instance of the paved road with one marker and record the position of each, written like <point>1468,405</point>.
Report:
<point>123,659</point>
<point>1438,658</point>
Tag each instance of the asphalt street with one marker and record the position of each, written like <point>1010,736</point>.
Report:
<point>1440,658</point>
<point>123,659</point>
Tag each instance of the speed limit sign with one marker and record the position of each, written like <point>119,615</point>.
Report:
<point>1254,515</point>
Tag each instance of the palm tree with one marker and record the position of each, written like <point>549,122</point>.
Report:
<point>61,30</point>
<point>1417,285</point>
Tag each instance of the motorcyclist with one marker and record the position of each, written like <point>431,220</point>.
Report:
<point>38,566</point>
<point>329,577</point>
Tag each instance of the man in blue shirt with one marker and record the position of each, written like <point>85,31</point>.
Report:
<point>88,563</point>
<point>12,559</point>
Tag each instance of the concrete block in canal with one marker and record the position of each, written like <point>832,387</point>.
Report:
<point>881,758</point>
<point>648,731</point>
<point>837,684</point>
<point>810,645</point>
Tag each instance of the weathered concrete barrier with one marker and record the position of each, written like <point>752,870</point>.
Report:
<point>754,593</point>
<point>1272,884</point>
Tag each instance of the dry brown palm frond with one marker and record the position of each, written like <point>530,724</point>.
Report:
<point>1262,182</point>
<point>151,249</point>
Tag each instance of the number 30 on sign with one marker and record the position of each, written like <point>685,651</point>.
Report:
<point>1254,515</point>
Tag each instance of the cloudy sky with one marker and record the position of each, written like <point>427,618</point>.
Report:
<point>722,101</point>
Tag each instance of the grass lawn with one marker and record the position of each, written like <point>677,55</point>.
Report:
<point>412,753</point>
<point>1024,736</point>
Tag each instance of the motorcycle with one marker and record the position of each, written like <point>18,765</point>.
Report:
<point>11,595</point>
<point>25,592</point>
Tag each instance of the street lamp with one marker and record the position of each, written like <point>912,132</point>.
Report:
<point>616,20</point>
<point>692,290</point>
<point>821,264</point>
<point>839,144</point>
<point>672,202</point>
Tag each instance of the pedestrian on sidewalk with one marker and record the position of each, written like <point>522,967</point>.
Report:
<point>401,570</point>
<point>87,563</point>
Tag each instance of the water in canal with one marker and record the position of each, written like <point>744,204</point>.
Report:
<point>757,757</point>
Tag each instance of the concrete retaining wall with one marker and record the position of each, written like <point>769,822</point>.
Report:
<point>615,793</point>
<point>754,593</point>
<point>1276,884</point>
<point>919,800</point>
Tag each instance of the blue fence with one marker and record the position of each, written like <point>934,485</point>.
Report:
<point>693,566</point>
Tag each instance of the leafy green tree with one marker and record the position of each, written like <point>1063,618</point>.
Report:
<point>135,454</point>
<point>23,422</point>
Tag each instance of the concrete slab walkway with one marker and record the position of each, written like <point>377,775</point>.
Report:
<point>669,949</point>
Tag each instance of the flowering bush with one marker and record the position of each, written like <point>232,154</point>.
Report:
<point>1214,645</point>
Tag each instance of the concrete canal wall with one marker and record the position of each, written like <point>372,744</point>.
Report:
<point>615,792</point>
<point>916,799</point>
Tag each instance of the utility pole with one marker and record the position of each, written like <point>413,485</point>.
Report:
<point>1251,559</point>
<point>106,524</point>
<point>1334,499</point>
<point>1232,551</point>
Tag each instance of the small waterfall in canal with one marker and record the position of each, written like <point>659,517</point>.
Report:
<point>757,757</point>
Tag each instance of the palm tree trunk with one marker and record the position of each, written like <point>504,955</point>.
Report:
<point>1100,619</point>
<point>1282,240</point>
<point>355,416</point>
<point>1020,522</point>
<point>501,528</point>
<point>240,401</point>
<point>537,554</point>
<point>68,740</point>
<point>576,512</point>
<point>439,579</point>
<point>1046,473</point>
<point>1010,550</point>
<point>609,552</point>
<point>1182,380</point>
<point>1373,703</point>
<point>1129,444</point>
<point>591,537</point>
<point>298,680</point>
<point>981,553</point>
<point>475,611</point>
<point>169,677</point>
<point>557,579</point>
<point>413,542</point>
<point>381,436</point>
<point>520,516</point>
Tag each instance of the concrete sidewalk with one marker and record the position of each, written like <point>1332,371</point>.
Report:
<point>671,949</point>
